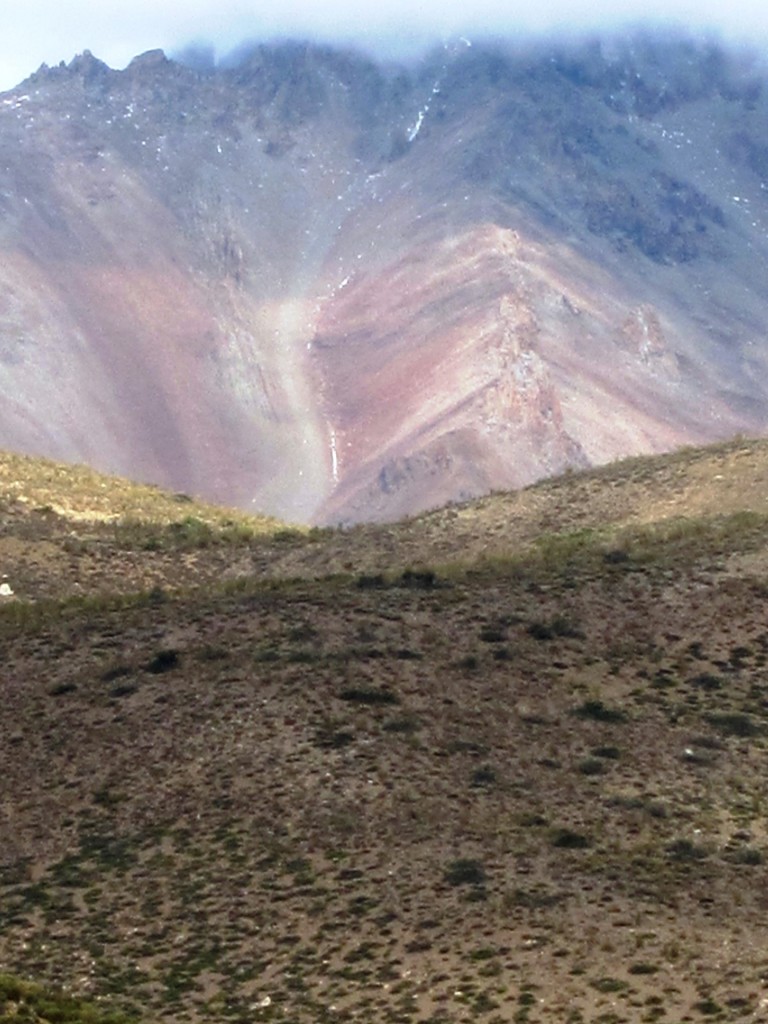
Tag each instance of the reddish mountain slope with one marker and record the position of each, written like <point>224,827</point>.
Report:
<point>334,291</point>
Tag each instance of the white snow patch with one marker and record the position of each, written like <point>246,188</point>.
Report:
<point>414,131</point>
<point>334,457</point>
<point>15,102</point>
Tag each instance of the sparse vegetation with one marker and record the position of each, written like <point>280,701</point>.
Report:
<point>21,1001</point>
<point>258,794</point>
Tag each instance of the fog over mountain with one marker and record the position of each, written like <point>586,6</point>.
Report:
<point>52,30</point>
<point>337,289</point>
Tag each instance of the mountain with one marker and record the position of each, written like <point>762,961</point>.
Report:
<point>504,762</point>
<point>336,290</point>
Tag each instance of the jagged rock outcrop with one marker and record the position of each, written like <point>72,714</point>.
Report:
<point>337,291</point>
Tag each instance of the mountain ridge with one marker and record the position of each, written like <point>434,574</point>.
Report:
<point>335,291</point>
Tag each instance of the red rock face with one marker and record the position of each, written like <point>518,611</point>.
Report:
<point>331,293</point>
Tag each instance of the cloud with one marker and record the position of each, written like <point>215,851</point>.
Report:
<point>116,30</point>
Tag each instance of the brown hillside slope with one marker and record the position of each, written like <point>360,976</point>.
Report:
<point>69,529</point>
<point>525,789</point>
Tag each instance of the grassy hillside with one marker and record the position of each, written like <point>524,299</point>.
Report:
<point>79,493</point>
<point>67,530</point>
<point>501,763</point>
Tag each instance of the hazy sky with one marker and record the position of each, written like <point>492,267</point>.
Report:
<point>34,31</point>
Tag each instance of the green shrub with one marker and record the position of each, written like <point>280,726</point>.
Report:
<point>62,688</point>
<point>749,856</point>
<point>406,724</point>
<point>686,850</point>
<point>465,871</point>
<point>470,662</point>
<point>191,532</point>
<point>492,635</point>
<point>333,735</point>
<point>288,535</point>
<point>567,839</point>
<point>735,723</point>
<point>643,968</point>
<point>369,695</point>
<point>599,712</point>
<point>559,626</point>
<point>414,579</point>
<point>609,753</point>
<point>164,661</point>
<point>707,681</point>
<point>116,672</point>
<point>123,690</point>
<point>371,582</point>
<point>483,776</point>
<point>708,1007</point>
<point>609,984</point>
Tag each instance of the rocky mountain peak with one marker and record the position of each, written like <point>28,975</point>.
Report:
<point>335,290</point>
<point>87,66</point>
<point>149,60</point>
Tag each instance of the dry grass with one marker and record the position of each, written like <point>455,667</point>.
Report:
<point>69,531</point>
<point>522,787</point>
<point>80,494</point>
<point>728,478</point>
